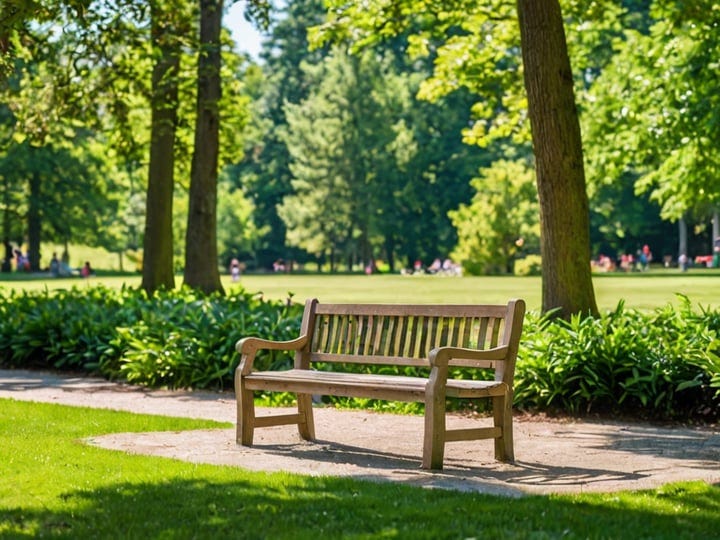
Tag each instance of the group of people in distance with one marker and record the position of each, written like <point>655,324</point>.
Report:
<point>56,268</point>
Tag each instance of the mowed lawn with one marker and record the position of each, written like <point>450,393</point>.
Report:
<point>643,291</point>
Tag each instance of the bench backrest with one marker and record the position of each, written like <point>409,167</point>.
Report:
<point>401,334</point>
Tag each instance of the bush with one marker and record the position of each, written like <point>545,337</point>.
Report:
<point>662,365</point>
<point>531,265</point>
<point>178,339</point>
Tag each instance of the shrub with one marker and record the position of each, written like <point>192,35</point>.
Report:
<point>531,265</point>
<point>176,339</point>
<point>659,365</point>
<point>663,364</point>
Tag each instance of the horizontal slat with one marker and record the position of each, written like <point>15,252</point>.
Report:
<point>420,310</point>
<point>472,434</point>
<point>279,420</point>
<point>396,388</point>
<point>369,359</point>
<point>474,389</point>
<point>393,387</point>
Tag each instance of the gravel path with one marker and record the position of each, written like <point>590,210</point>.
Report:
<point>551,456</point>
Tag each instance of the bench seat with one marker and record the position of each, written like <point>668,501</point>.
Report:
<point>369,385</point>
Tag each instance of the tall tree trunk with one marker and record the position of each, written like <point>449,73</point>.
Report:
<point>564,214</point>
<point>33,216</point>
<point>682,237</point>
<point>201,256</point>
<point>157,271</point>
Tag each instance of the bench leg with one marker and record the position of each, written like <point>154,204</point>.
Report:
<point>434,444</point>
<point>306,428</point>
<point>502,416</point>
<point>245,416</point>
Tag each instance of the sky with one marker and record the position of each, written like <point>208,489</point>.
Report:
<point>246,36</point>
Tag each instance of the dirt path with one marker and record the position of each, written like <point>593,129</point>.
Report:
<point>552,456</point>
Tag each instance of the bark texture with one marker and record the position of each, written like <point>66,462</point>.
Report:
<point>201,255</point>
<point>565,221</point>
<point>158,271</point>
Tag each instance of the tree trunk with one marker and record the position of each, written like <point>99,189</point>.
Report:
<point>564,215</point>
<point>34,224</point>
<point>682,237</point>
<point>201,255</point>
<point>157,268</point>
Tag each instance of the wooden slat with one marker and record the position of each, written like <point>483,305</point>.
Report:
<point>403,310</point>
<point>278,420</point>
<point>482,333</point>
<point>472,434</point>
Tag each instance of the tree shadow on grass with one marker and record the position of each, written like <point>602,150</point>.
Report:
<point>282,506</point>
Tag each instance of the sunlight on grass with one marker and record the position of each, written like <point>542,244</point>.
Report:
<point>55,485</point>
<point>640,291</point>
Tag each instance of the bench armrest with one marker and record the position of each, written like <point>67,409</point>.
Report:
<point>441,356</point>
<point>249,346</point>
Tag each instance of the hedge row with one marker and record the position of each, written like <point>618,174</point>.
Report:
<point>661,365</point>
<point>176,339</point>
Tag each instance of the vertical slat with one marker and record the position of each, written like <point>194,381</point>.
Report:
<point>367,342</point>
<point>360,330</point>
<point>443,332</point>
<point>466,329</point>
<point>335,333</point>
<point>426,343</point>
<point>412,335</point>
<point>341,343</point>
<point>482,333</point>
<point>496,332</point>
<point>399,335</point>
<point>452,332</point>
<point>322,333</point>
<point>388,336</point>
<point>378,324</point>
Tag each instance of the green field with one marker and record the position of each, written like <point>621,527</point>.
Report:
<point>641,291</point>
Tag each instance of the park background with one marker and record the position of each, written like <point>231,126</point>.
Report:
<point>334,161</point>
<point>336,156</point>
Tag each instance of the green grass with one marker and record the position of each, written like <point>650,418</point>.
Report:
<point>641,291</point>
<point>54,485</point>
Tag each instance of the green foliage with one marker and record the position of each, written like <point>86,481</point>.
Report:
<point>500,222</point>
<point>175,339</point>
<point>659,94</point>
<point>657,365</point>
<point>530,265</point>
<point>663,364</point>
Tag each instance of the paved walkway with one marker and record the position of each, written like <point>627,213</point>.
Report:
<point>552,456</point>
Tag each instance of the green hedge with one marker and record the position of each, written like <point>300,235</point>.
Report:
<point>177,339</point>
<point>661,365</point>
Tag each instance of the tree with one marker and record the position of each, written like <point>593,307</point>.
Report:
<point>475,46</point>
<point>264,172</point>
<point>659,93</point>
<point>167,27</point>
<point>501,221</point>
<point>201,259</point>
<point>564,214</point>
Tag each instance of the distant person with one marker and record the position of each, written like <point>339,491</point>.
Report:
<point>54,266</point>
<point>683,262</point>
<point>22,263</point>
<point>86,270</point>
<point>235,269</point>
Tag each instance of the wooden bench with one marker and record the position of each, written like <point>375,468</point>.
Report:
<point>434,339</point>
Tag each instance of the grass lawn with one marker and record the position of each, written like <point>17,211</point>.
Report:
<point>54,485</point>
<point>642,291</point>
